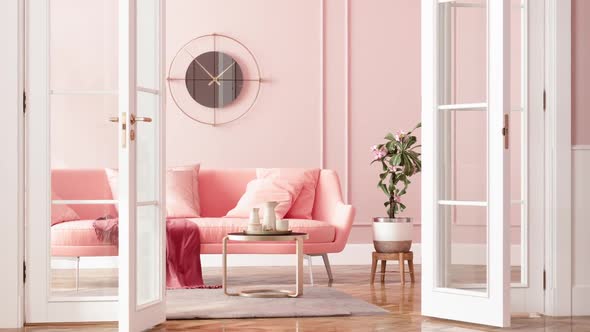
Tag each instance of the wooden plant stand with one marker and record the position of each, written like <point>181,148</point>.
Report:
<point>401,257</point>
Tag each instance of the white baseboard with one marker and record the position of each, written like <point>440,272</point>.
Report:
<point>353,254</point>
<point>581,300</point>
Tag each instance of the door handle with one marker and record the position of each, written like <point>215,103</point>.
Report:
<point>139,119</point>
<point>134,119</point>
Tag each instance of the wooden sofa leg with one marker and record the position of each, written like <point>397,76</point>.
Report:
<point>328,267</point>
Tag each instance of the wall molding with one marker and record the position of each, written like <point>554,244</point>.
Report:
<point>322,101</point>
<point>580,147</point>
<point>558,163</point>
<point>347,101</point>
<point>580,229</point>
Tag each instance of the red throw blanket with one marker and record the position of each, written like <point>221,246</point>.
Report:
<point>183,250</point>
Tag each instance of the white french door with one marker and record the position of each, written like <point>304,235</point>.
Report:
<point>142,213</point>
<point>82,69</point>
<point>466,160</point>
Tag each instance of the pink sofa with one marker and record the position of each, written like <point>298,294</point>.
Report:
<point>219,191</point>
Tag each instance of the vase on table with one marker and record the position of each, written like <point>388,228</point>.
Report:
<point>270,217</point>
<point>254,221</point>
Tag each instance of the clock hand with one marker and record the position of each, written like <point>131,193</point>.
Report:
<point>223,72</point>
<point>214,79</point>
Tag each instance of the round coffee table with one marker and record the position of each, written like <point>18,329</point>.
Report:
<point>241,237</point>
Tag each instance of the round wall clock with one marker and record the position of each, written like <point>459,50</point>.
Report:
<point>214,79</point>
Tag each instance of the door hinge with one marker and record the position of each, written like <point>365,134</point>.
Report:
<point>506,131</point>
<point>24,102</point>
<point>544,280</point>
<point>24,272</point>
<point>544,100</point>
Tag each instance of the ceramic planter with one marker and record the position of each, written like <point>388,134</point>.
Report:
<point>392,234</point>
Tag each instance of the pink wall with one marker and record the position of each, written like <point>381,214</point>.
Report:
<point>284,128</point>
<point>580,72</point>
<point>379,43</point>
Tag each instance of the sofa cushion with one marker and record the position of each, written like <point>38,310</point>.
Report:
<point>182,192</point>
<point>75,233</point>
<point>307,177</point>
<point>260,191</point>
<point>213,230</point>
<point>61,212</point>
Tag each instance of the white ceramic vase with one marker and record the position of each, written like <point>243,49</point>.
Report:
<point>254,222</point>
<point>392,234</point>
<point>270,218</point>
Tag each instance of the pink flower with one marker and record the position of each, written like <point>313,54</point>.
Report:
<point>400,135</point>
<point>374,148</point>
<point>397,199</point>
<point>379,153</point>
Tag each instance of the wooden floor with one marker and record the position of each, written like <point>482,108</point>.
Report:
<point>403,303</point>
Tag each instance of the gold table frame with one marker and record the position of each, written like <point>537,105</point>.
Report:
<point>241,237</point>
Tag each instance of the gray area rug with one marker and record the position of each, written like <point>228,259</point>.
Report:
<point>315,302</point>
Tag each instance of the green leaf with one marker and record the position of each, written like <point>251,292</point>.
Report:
<point>384,188</point>
<point>389,137</point>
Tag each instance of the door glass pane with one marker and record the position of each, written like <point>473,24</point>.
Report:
<point>463,37</point>
<point>82,146</point>
<point>147,157</point>
<point>83,45</point>
<point>150,223</point>
<point>147,44</point>
<point>148,254</point>
<point>463,261</point>
<point>518,143</point>
<point>462,223</point>
<point>463,155</point>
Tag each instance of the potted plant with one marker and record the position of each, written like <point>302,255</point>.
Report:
<point>399,161</point>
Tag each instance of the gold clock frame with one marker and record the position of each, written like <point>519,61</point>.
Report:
<point>214,36</point>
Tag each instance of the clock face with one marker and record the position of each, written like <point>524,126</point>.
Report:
<point>214,79</point>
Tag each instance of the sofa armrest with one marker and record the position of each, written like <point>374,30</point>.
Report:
<point>329,207</point>
<point>342,219</point>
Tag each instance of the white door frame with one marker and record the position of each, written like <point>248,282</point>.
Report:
<point>11,165</point>
<point>558,162</point>
<point>528,296</point>
<point>557,241</point>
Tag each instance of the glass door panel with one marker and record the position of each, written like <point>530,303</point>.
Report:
<point>72,274</point>
<point>463,128</point>
<point>141,164</point>
<point>466,177</point>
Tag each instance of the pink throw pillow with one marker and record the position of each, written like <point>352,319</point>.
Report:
<point>61,212</point>
<point>306,177</point>
<point>113,178</point>
<point>260,191</point>
<point>182,190</point>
